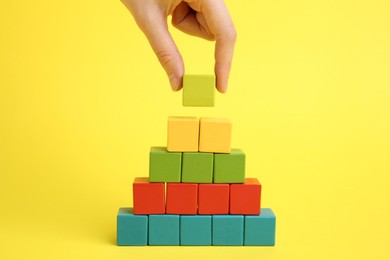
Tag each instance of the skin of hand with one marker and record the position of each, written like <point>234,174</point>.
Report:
<point>208,19</point>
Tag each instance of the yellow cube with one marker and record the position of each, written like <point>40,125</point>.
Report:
<point>215,135</point>
<point>183,134</point>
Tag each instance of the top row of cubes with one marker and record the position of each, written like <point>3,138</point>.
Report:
<point>190,134</point>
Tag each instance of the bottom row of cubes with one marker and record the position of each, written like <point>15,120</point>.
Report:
<point>195,230</point>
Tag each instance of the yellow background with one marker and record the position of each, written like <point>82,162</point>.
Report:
<point>82,99</point>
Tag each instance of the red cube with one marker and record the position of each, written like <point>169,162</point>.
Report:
<point>182,198</point>
<point>245,198</point>
<point>148,198</point>
<point>213,199</point>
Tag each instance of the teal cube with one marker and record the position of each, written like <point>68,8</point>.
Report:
<point>198,90</point>
<point>228,230</point>
<point>195,230</point>
<point>132,230</point>
<point>197,167</point>
<point>164,230</point>
<point>164,166</point>
<point>260,229</point>
<point>229,168</point>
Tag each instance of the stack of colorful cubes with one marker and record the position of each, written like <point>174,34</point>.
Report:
<point>197,193</point>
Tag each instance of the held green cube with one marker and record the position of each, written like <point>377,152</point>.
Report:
<point>164,166</point>
<point>229,168</point>
<point>198,90</point>
<point>132,230</point>
<point>197,167</point>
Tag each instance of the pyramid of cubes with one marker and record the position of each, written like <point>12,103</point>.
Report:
<point>197,192</point>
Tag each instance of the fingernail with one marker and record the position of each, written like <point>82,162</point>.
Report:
<point>174,82</point>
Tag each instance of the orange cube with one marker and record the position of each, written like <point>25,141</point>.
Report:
<point>215,135</point>
<point>183,134</point>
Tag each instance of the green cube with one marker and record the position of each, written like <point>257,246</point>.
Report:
<point>164,166</point>
<point>197,167</point>
<point>229,168</point>
<point>198,90</point>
